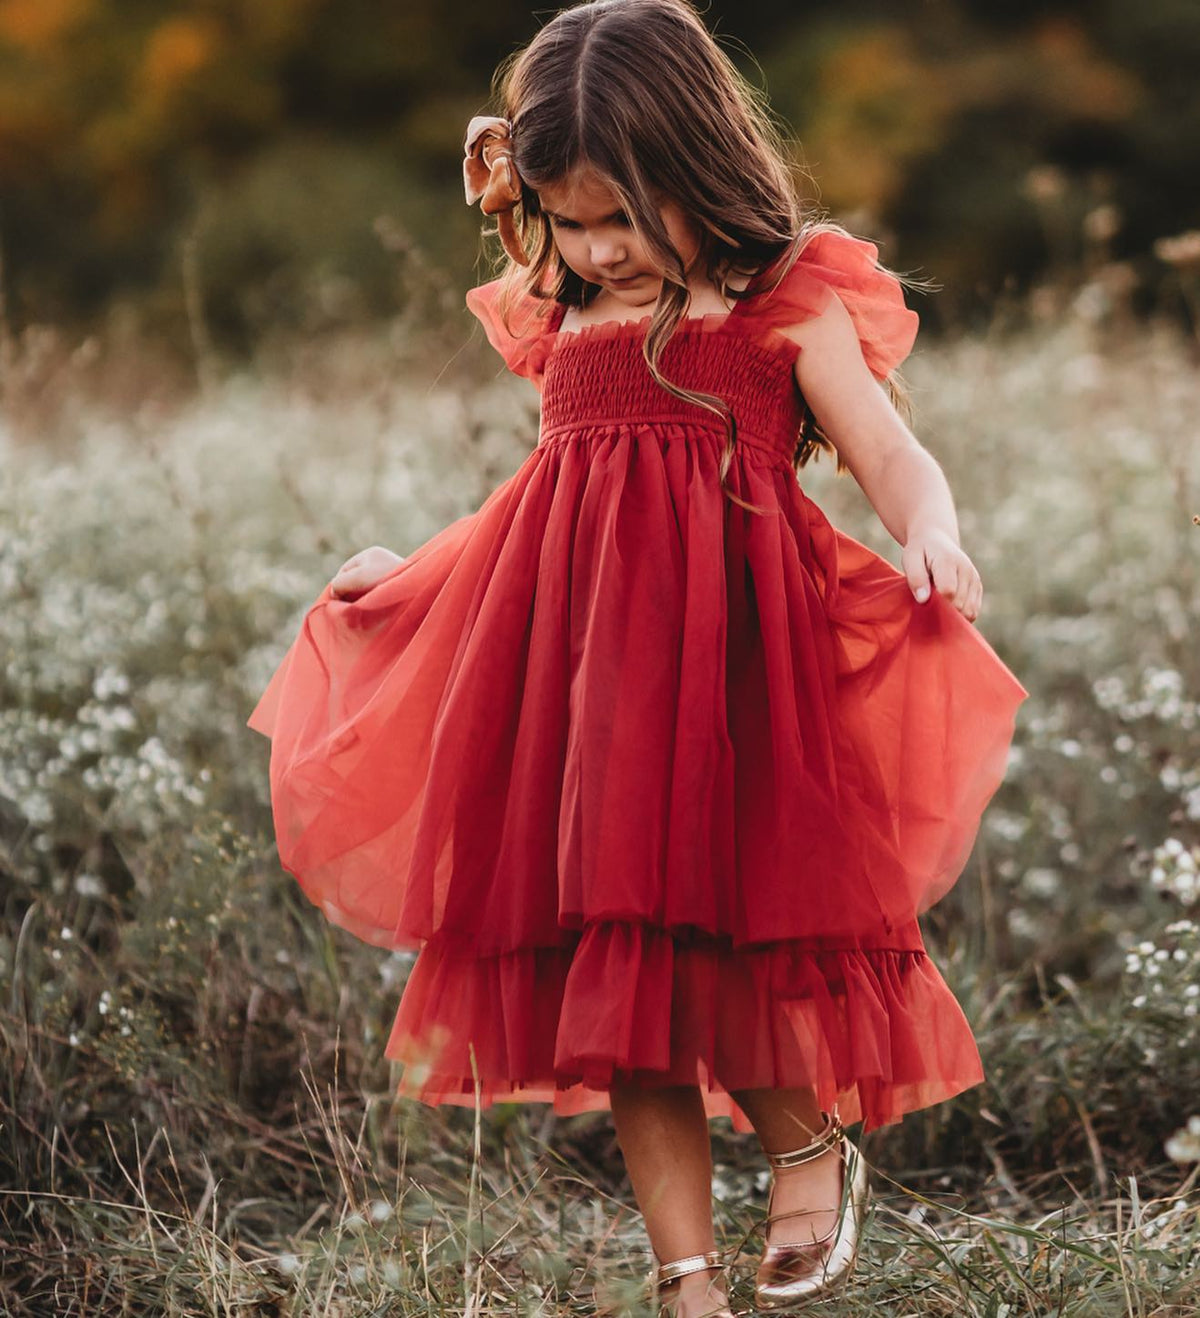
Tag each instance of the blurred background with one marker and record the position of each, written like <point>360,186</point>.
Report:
<point>234,350</point>
<point>286,151</point>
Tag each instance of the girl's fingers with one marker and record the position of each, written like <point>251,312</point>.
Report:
<point>960,583</point>
<point>349,576</point>
<point>969,595</point>
<point>976,599</point>
<point>948,580</point>
<point>364,571</point>
<point>916,570</point>
<point>345,581</point>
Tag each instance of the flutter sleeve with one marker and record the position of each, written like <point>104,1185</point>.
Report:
<point>522,336</point>
<point>846,266</point>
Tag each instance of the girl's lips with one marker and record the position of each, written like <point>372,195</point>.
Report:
<point>623,283</point>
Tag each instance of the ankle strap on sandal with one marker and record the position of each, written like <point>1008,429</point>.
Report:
<point>827,1138</point>
<point>693,1263</point>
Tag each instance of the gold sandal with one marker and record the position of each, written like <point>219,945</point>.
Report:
<point>663,1273</point>
<point>794,1273</point>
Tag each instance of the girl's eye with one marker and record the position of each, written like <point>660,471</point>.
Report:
<point>620,219</point>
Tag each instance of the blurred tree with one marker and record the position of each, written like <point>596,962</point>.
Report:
<point>130,127</point>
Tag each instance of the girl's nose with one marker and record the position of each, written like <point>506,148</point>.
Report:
<point>606,252</point>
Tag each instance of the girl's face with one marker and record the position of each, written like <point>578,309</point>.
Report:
<point>596,240</point>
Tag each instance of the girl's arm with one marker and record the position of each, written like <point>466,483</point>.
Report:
<point>903,480</point>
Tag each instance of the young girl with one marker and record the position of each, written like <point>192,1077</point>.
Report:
<point>655,766</point>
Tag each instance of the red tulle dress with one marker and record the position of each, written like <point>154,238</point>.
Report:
<point>657,786</point>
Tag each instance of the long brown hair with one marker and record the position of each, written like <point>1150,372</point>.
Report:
<point>638,92</point>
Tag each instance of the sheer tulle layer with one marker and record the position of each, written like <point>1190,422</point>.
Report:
<point>874,1028</point>
<point>613,694</point>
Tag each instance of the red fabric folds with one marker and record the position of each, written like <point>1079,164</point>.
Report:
<point>657,785</point>
<point>874,1029</point>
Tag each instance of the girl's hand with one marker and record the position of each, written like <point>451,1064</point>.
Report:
<point>933,556</point>
<point>358,574</point>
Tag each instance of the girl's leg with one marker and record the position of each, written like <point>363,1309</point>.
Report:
<point>785,1119</point>
<point>663,1134</point>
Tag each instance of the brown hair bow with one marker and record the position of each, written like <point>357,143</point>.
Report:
<point>490,177</point>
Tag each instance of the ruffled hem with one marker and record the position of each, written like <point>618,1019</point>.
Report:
<point>874,1029</point>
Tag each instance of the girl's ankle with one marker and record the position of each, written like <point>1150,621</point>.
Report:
<point>687,1297</point>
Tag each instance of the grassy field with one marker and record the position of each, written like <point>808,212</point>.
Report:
<point>195,1115</point>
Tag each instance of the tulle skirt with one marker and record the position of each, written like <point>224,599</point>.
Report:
<point>657,785</point>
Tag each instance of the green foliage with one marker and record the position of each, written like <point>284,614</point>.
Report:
<point>289,243</point>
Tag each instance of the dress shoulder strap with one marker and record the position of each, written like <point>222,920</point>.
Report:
<point>519,331</point>
<point>833,263</point>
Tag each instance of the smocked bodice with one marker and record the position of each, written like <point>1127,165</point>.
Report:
<point>595,377</point>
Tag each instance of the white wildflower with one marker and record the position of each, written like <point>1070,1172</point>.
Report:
<point>1184,1145</point>
<point>1023,925</point>
<point>1042,882</point>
